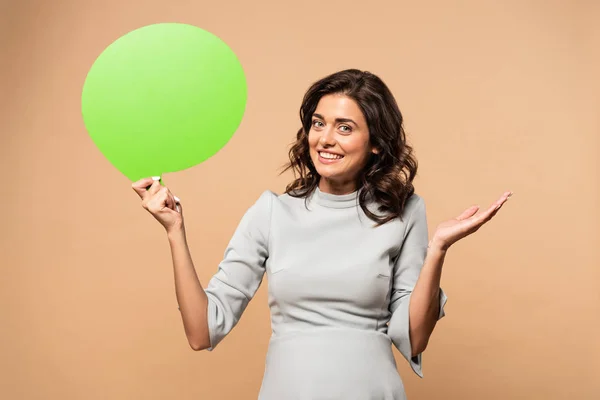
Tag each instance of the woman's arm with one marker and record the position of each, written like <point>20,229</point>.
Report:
<point>193,303</point>
<point>210,313</point>
<point>191,297</point>
<point>424,306</point>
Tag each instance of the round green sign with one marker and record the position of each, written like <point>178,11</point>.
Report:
<point>163,98</point>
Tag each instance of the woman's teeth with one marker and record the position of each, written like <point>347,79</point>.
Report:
<point>330,156</point>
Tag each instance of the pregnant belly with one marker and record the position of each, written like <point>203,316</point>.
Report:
<point>331,363</point>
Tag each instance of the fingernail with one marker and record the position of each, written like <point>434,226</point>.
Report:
<point>156,178</point>
<point>177,199</point>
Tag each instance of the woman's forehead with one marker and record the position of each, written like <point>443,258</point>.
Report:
<point>335,106</point>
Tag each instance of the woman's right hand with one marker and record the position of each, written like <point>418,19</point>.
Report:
<point>160,202</point>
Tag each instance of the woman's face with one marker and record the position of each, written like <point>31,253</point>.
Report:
<point>339,143</point>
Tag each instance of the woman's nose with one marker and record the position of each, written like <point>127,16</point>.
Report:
<point>327,137</point>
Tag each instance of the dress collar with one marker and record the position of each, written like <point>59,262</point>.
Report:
<point>336,200</point>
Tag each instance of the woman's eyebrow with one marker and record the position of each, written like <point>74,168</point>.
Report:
<point>337,119</point>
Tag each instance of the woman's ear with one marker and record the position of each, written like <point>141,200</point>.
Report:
<point>375,150</point>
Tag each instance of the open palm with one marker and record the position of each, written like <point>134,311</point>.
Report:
<point>451,231</point>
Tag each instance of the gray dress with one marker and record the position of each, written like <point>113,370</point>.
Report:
<point>339,290</point>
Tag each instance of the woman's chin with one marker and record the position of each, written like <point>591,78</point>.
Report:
<point>327,173</point>
<point>332,178</point>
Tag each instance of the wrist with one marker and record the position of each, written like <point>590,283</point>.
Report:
<point>437,245</point>
<point>176,232</point>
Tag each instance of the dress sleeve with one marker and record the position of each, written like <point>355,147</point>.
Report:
<point>241,271</point>
<point>407,267</point>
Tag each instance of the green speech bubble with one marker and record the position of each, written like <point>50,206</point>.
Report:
<point>163,98</point>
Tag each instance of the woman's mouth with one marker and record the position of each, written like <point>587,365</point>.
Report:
<point>329,158</point>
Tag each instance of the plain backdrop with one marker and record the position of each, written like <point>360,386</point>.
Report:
<point>497,95</point>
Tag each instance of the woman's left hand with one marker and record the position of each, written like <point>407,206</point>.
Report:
<point>449,232</point>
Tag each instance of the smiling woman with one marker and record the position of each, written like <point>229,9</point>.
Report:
<point>346,251</point>
<point>339,143</point>
<point>352,137</point>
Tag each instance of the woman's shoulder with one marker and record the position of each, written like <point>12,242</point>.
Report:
<point>268,195</point>
<point>414,207</point>
<point>269,198</point>
<point>411,203</point>
<point>414,201</point>
<point>265,200</point>
<point>284,198</point>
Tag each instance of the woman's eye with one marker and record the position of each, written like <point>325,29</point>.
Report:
<point>317,124</point>
<point>345,128</point>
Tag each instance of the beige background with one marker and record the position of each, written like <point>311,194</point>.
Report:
<point>497,95</point>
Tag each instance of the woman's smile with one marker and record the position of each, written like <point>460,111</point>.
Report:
<point>329,158</point>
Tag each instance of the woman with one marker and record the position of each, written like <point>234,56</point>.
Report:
<point>346,251</point>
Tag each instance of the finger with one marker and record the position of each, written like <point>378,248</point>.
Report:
<point>173,202</point>
<point>492,210</point>
<point>505,196</point>
<point>498,204</point>
<point>159,200</point>
<point>468,213</point>
<point>165,197</point>
<point>170,201</point>
<point>155,187</point>
<point>163,203</point>
<point>156,179</point>
<point>178,206</point>
<point>485,216</point>
<point>140,186</point>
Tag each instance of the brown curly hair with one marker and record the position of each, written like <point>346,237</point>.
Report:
<point>388,175</point>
